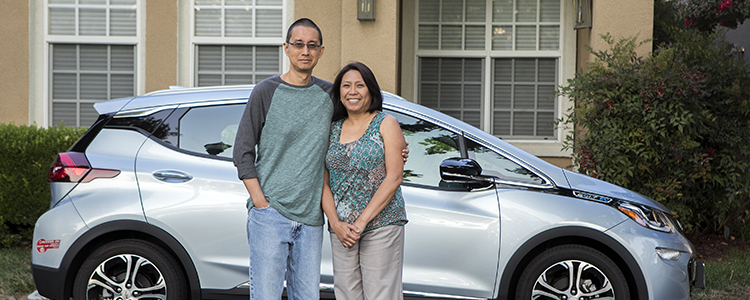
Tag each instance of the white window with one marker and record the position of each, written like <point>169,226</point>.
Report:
<point>92,56</point>
<point>85,74</point>
<point>237,41</point>
<point>493,64</point>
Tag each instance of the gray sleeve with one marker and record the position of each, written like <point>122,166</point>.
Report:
<point>249,129</point>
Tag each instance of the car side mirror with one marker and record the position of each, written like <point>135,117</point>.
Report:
<point>464,170</point>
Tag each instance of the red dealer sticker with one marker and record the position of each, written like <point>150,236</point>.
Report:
<point>43,245</point>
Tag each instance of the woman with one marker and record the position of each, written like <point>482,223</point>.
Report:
<point>362,198</point>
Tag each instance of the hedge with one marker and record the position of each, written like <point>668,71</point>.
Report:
<point>26,153</point>
<point>672,126</point>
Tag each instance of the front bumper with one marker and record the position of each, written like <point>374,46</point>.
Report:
<point>697,275</point>
<point>665,278</point>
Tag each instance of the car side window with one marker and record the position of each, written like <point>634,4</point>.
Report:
<point>210,129</point>
<point>429,145</point>
<point>494,164</point>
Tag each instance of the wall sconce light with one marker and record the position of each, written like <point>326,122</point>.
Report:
<point>366,10</point>
<point>582,13</point>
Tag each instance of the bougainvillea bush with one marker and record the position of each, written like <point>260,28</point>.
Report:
<point>673,126</point>
<point>705,15</point>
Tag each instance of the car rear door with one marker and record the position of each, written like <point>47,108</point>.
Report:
<point>189,188</point>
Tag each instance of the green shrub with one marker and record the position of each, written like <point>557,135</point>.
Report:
<point>27,153</point>
<point>672,126</point>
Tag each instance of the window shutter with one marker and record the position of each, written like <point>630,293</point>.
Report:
<point>270,23</point>
<point>62,21</point>
<point>208,22</point>
<point>267,60</point>
<point>229,65</point>
<point>93,16</point>
<point>524,103</point>
<point>85,74</point>
<point>65,113</point>
<point>526,11</point>
<point>239,23</point>
<point>122,22</point>
<point>453,86</point>
<point>502,11</point>
<point>525,38</point>
<point>92,21</point>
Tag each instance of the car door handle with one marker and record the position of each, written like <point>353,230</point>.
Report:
<point>172,176</point>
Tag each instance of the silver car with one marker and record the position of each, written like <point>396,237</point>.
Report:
<point>147,205</point>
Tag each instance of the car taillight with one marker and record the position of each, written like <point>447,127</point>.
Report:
<point>74,167</point>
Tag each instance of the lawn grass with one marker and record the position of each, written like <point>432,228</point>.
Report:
<point>727,278</point>
<point>15,273</point>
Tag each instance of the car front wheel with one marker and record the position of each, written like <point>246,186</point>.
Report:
<point>129,269</point>
<point>572,272</point>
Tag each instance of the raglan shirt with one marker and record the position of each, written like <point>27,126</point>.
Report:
<point>290,126</point>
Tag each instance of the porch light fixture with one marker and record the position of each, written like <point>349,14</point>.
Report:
<point>365,10</point>
<point>582,13</point>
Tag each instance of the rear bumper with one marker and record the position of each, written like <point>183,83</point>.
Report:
<point>50,282</point>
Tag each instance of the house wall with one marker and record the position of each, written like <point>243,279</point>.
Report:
<point>374,43</point>
<point>160,45</point>
<point>607,17</point>
<point>14,62</point>
<point>740,37</point>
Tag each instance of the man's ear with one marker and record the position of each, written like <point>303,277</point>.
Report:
<point>320,52</point>
<point>286,49</point>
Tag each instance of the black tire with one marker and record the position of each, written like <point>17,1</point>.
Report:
<point>546,277</point>
<point>158,273</point>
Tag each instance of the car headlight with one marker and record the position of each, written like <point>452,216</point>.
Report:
<point>647,217</point>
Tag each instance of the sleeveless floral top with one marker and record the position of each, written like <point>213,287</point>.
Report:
<point>356,171</point>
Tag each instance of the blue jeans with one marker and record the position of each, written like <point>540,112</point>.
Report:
<point>281,248</point>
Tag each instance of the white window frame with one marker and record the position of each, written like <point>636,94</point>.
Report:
<point>565,55</point>
<point>50,39</point>
<point>196,41</point>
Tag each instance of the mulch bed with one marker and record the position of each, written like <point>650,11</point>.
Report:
<point>711,247</point>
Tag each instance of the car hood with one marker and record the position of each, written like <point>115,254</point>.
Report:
<point>588,184</point>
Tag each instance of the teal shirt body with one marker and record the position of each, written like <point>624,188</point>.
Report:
<point>290,126</point>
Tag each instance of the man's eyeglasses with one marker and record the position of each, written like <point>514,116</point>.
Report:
<point>310,46</point>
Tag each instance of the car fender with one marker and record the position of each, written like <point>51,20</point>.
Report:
<point>570,234</point>
<point>113,230</point>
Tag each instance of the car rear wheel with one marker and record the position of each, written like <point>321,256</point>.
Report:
<point>130,269</point>
<point>572,272</point>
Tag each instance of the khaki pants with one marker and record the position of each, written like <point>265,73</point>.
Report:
<point>372,268</point>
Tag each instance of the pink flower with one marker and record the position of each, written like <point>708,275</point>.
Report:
<point>725,4</point>
<point>688,22</point>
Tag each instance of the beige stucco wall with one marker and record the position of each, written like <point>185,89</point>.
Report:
<point>14,62</point>
<point>621,19</point>
<point>375,43</point>
<point>160,45</point>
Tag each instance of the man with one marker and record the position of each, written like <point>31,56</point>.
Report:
<point>288,117</point>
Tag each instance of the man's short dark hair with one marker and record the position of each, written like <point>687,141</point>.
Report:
<point>376,101</point>
<point>306,23</point>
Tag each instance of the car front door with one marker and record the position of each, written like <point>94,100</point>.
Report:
<point>452,238</point>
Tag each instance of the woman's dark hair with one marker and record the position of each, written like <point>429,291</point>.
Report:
<point>305,22</point>
<point>376,103</point>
